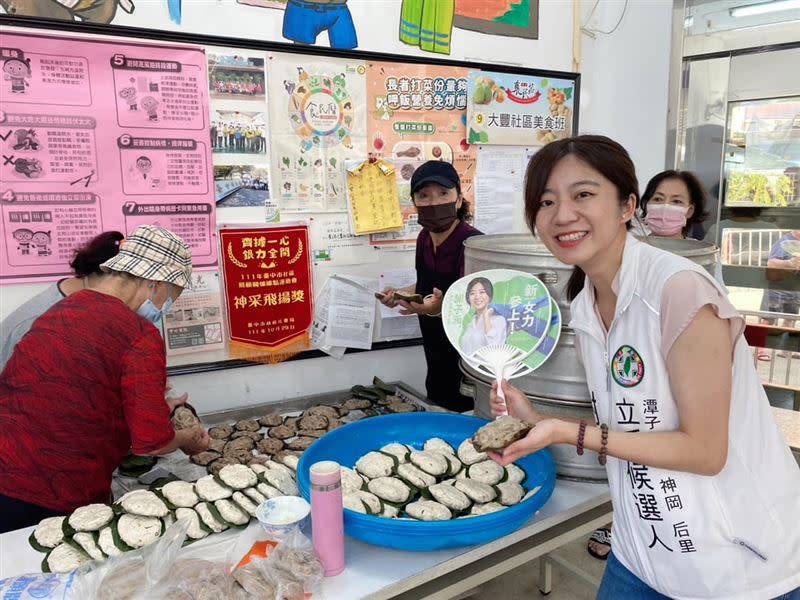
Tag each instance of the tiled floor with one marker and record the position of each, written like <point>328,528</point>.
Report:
<point>523,583</point>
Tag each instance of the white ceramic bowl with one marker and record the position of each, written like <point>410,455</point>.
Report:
<point>278,516</point>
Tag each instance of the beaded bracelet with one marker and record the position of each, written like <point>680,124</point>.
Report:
<point>581,435</point>
<point>603,455</point>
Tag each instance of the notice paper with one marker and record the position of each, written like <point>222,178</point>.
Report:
<point>319,327</point>
<point>372,197</point>
<point>494,204</point>
<point>99,135</point>
<point>194,323</point>
<point>392,323</point>
<point>351,312</point>
<point>508,162</point>
<point>332,242</point>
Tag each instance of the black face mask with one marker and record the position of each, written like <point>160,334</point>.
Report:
<point>438,217</point>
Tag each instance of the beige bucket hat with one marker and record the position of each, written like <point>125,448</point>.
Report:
<point>155,254</point>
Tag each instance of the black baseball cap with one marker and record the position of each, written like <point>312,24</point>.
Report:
<point>435,171</point>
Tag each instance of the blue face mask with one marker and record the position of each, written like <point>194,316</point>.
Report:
<point>149,311</point>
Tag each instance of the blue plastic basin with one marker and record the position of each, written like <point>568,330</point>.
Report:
<point>347,444</point>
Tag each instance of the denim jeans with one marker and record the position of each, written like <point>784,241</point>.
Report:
<point>620,584</point>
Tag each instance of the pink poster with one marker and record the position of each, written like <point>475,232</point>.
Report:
<point>98,136</point>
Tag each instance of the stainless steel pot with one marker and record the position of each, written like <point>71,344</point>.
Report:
<point>523,252</point>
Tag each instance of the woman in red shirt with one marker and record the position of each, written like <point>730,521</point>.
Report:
<point>86,385</point>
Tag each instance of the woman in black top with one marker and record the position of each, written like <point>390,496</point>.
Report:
<point>436,192</point>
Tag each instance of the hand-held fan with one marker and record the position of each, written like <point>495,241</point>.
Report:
<point>501,322</point>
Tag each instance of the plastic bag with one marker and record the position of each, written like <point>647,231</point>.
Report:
<point>294,567</point>
<point>206,571</point>
<point>133,575</point>
<point>198,579</point>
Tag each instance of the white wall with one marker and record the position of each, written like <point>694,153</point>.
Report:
<point>624,95</point>
<point>625,79</point>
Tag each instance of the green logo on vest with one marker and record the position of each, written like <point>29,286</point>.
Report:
<point>627,367</point>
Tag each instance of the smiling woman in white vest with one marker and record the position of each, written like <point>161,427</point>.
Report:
<point>706,494</point>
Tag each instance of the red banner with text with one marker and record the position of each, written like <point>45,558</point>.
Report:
<point>268,296</point>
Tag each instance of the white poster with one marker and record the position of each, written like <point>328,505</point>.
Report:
<point>393,324</point>
<point>333,243</point>
<point>319,327</point>
<point>240,130</point>
<point>351,313</point>
<point>499,182</point>
<point>194,324</point>
<point>317,112</point>
<point>494,204</point>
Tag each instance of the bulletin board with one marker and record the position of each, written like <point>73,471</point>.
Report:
<point>283,120</point>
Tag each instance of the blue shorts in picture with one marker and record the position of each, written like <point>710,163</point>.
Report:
<point>304,21</point>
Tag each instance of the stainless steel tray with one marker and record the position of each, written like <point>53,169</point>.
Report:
<point>179,464</point>
<point>404,391</point>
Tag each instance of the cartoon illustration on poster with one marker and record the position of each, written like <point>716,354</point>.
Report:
<point>99,136</point>
<point>519,110</point>
<point>94,11</point>
<point>512,18</point>
<point>317,111</point>
<point>418,113</point>
<point>424,24</point>
<point>427,24</point>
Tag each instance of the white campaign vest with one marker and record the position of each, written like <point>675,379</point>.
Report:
<point>735,535</point>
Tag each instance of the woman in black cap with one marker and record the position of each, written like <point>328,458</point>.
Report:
<point>442,210</point>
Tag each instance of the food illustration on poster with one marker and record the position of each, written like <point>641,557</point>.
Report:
<point>418,113</point>
<point>518,110</point>
<point>100,136</point>
<point>316,127</point>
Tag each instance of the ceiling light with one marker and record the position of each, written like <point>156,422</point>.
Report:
<point>764,7</point>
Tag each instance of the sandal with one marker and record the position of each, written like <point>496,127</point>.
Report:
<point>600,536</point>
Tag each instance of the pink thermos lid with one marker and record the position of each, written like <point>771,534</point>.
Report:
<point>325,472</point>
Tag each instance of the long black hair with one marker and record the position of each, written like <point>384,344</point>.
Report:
<point>604,155</point>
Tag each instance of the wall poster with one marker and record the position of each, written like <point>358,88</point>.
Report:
<point>318,121</point>
<point>240,131</point>
<point>519,110</point>
<point>267,292</point>
<point>96,136</point>
<point>418,113</point>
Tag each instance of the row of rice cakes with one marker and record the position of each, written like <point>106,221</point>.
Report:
<point>437,483</point>
<point>212,504</point>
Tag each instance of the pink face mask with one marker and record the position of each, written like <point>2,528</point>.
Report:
<point>666,219</point>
